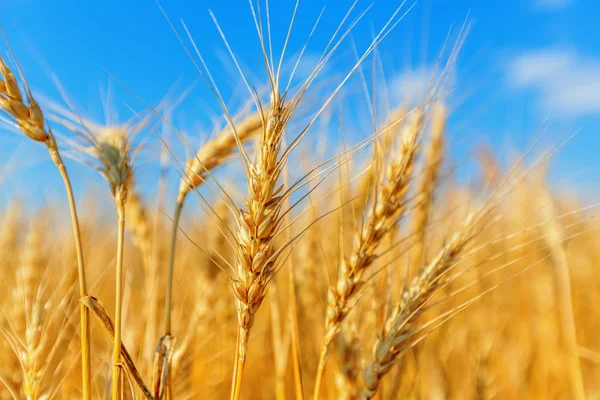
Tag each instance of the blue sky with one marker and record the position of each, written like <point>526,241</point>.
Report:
<point>524,61</point>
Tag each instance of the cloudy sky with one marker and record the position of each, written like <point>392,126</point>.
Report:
<point>524,63</point>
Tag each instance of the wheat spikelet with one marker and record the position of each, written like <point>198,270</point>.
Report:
<point>46,331</point>
<point>210,156</point>
<point>25,314</point>
<point>386,208</point>
<point>383,148</point>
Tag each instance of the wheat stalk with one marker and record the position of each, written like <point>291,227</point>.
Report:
<point>110,152</point>
<point>348,350</point>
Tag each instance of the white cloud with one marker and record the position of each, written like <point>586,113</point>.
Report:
<point>412,85</point>
<point>565,82</point>
<point>552,4</point>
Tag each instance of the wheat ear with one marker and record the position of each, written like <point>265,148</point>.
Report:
<point>257,226</point>
<point>386,209</point>
<point>30,120</point>
<point>210,156</point>
<point>404,322</point>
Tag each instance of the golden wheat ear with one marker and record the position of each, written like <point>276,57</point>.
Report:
<point>197,169</point>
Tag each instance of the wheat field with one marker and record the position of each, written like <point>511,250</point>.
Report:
<point>280,268</point>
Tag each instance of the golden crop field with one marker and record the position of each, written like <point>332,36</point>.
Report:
<point>279,268</point>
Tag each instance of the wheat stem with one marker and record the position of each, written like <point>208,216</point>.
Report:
<point>119,299</point>
<point>562,283</point>
<point>295,337</point>
<point>242,347</point>
<point>86,373</point>
<point>84,312</point>
<point>321,369</point>
<point>169,297</point>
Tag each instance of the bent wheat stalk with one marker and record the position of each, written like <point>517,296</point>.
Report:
<point>28,117</point>
<point>100,312</point>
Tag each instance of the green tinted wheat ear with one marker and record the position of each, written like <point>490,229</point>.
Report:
<point>387,207</point>
<point>112,150</point>
<point>28,117</point>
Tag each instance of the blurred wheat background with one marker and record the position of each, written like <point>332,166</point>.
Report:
<point>324,238</point>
